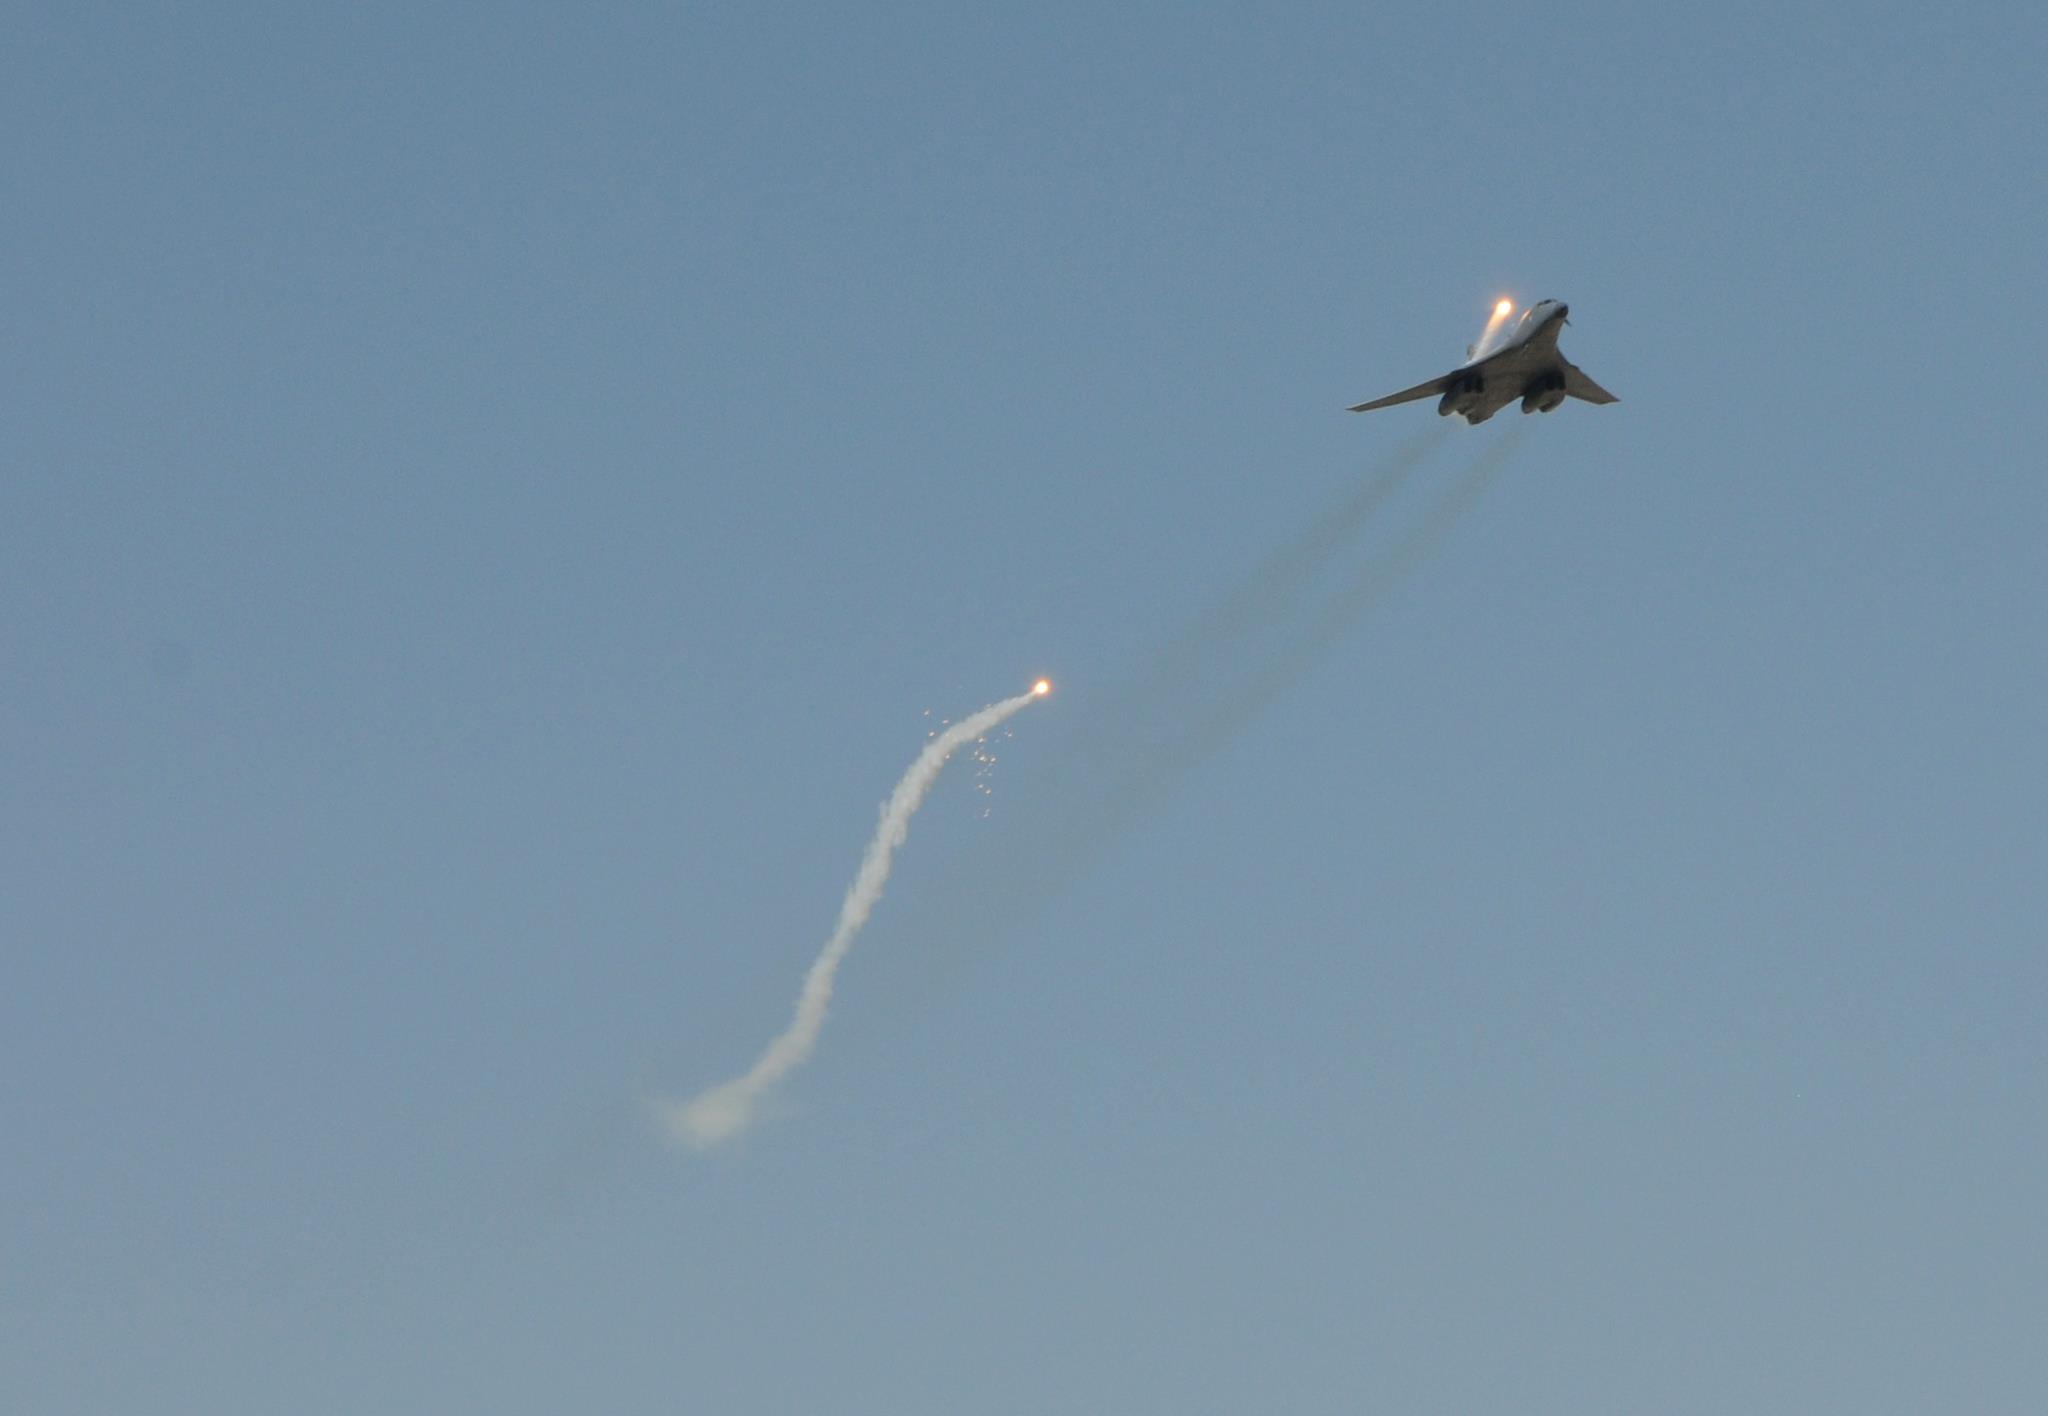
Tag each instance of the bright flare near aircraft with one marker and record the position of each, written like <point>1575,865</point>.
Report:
<point>1495,323</point>
<point>725,1110</point>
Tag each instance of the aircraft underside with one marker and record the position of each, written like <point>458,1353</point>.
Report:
<point>1476,395</point>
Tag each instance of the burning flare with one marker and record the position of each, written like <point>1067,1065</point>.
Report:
<point>1503,310</point>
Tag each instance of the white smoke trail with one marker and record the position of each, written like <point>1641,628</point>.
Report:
<point>723,1111</point>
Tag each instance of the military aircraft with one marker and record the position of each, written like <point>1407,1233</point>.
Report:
<point>1507,364</point>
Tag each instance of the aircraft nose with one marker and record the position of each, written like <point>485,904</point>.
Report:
<point>1563,310</point>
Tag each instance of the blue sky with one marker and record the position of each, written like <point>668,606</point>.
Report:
<point>494,492</point>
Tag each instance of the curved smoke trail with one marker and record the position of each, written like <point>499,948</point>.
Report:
<point>723,1111</point>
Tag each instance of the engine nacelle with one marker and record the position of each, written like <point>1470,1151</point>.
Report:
<point>1461,396</point>
<point>1543,394</point>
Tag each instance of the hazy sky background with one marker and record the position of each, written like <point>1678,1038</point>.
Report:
<point>492,492</point>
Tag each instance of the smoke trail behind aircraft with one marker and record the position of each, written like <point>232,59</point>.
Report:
<point>723,1111</point>
<point>1332,619</point>
<point>1270,590</point>
<point>1242,689</point>
<point>1224,671</point>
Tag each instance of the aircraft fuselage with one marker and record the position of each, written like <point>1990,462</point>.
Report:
<point>1525,366</point>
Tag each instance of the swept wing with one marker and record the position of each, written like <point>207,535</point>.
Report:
<point>1408,395</point>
